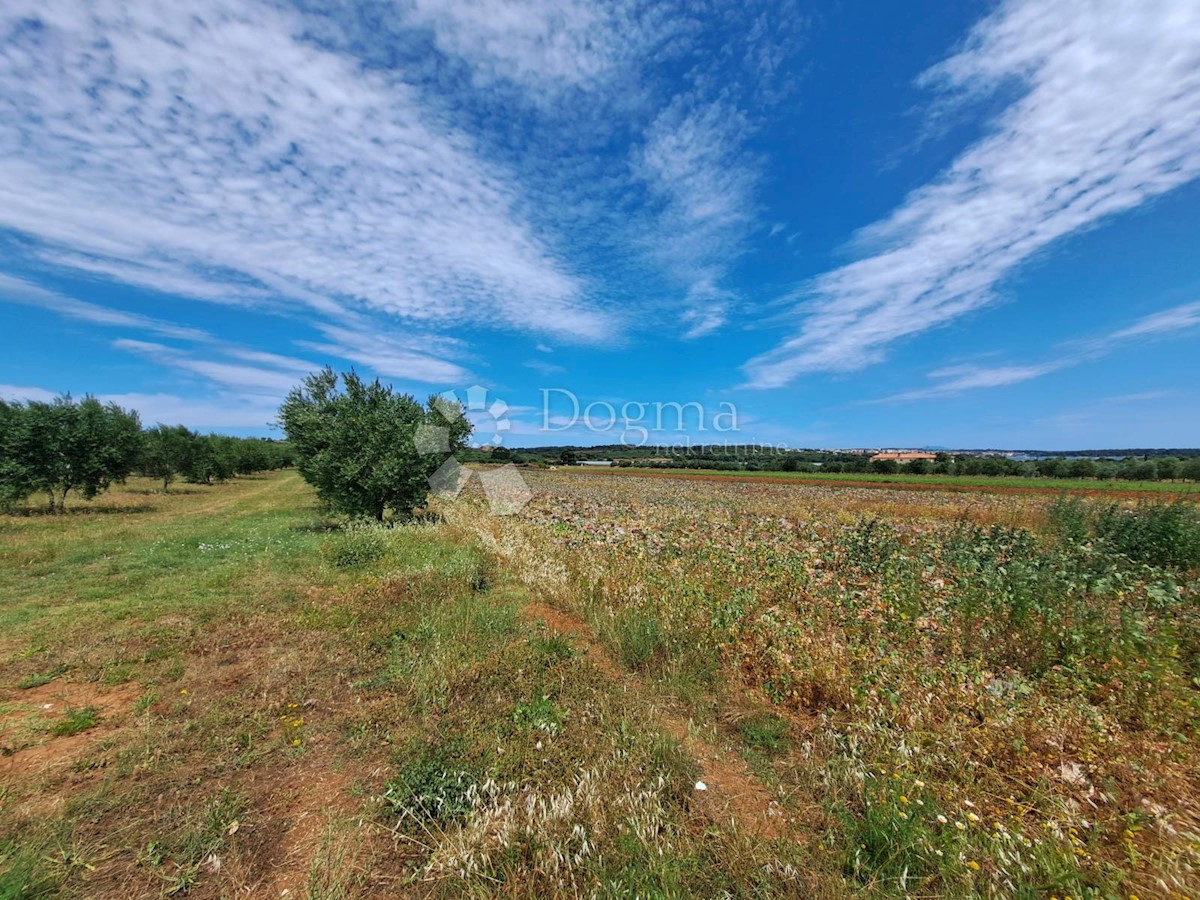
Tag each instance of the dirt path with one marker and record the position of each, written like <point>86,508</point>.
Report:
<point>731,791</point>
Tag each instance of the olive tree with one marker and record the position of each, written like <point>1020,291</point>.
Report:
<point>169,451</point>
<point>358,444</point>
<point>65,446</point>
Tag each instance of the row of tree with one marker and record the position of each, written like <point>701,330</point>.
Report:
<point>1163,468</point>
<point>81,447</point>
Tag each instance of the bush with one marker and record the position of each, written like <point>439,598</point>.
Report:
<point>433,787</point>
<point>1159,534</point>
<point>1154,533</point>
<point>359,544</point>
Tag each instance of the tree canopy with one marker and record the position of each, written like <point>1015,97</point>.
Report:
<point>65,446</point>
<point>365,448</point>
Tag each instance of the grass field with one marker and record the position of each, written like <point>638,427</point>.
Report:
<point>214,693</point>
<point>972,482</point>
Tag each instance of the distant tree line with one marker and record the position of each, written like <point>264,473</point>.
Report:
<point>1131,468</point>
<point>80,447</point>
<point>1124,465</point>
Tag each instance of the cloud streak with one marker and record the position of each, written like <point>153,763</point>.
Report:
<point>1108,118</point>
<point>694,165</point>
<point>214,149</point>
<point>954,380</point>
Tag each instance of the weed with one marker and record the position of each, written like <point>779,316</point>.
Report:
<point>766,732</point>
<point>75,721</point>
<point>435,786</point>
<point>539,714</point>
<point>641,640</point>
<point>38,679</point>
<point>358,544</point>
<point>551,648</point>
<point>21,876</point>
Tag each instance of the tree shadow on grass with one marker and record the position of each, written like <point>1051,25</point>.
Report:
<point>42,512</point>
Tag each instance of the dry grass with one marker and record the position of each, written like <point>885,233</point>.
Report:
<point>271,695</point>
<point>980,709</point>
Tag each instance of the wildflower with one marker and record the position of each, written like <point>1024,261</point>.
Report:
<point>942,819</point>
<point>296,742</point>
<point>183,690</point>
<point>902,815</point>
<point>973,817</point>
<point>918,784</point>
<point>973,865</point>
<point>959,825</point>
<point>903,799</point>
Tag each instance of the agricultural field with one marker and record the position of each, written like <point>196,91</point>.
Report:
<point>974,483</point>
<point>637,687</point>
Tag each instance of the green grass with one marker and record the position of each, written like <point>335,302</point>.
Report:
<point>75,721</point>
<point>275,668</point>
<point>964,481</point>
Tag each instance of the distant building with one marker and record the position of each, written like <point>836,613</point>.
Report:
<point>595,462</point>
<point>904,455</point>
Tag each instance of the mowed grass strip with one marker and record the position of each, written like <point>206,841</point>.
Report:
<point>213,692</point>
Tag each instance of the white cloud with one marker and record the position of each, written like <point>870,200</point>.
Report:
<point>695,166</point>
<point>546,368</point>
<point>952,380</point>
<point>1168,322</point>
<point>21,394</point>
<point>247,380</point>
<point>393,355</point>
<point>223,411</point>
<point>1108,118</point>
<point>543,44</point>
<point>15,290</point>
<point>210,147</point>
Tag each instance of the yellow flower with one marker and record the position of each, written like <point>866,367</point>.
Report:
<point>902,815</point>
<point>973,865</point>
<point>959,825</point>
<point>973,817</point>
<point>183,690</point>
<point>903,799</point>
<point>296,742</point>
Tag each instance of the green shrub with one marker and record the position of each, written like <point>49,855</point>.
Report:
<point>1159,534</point>
<point>436,786</point>
<point>359,544</point>
<point>1155,533</point>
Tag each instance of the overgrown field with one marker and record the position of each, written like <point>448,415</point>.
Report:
<point>216,692</point>
<point>949,694</point>
<point>972,482</point>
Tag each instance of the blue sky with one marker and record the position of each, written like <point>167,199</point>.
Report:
<point>858,224</point>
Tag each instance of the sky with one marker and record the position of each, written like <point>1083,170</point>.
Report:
<point>827,224</point>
